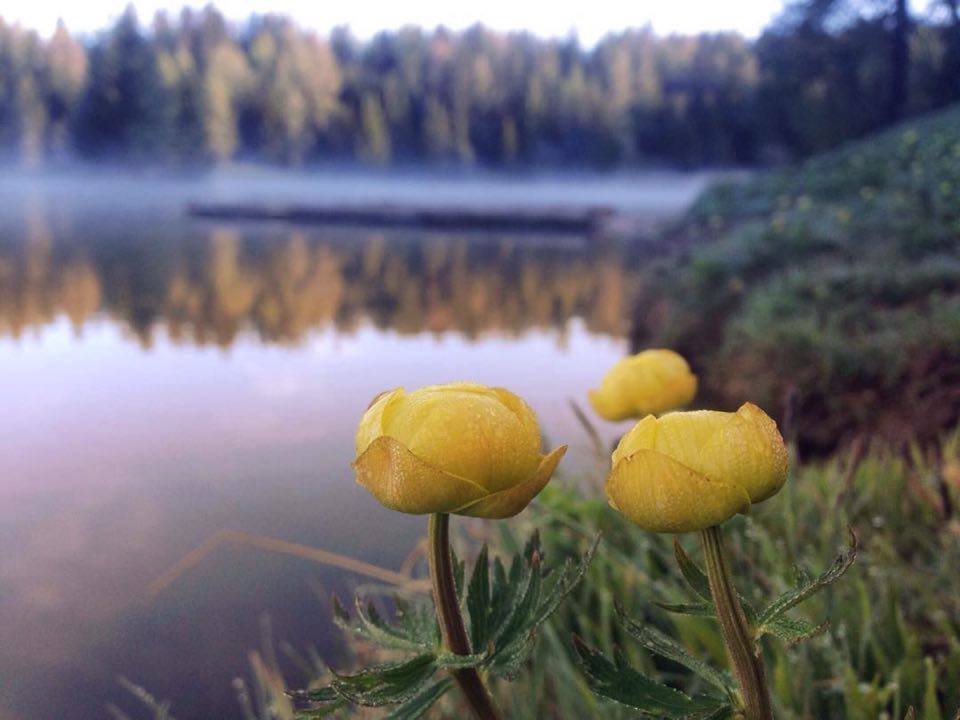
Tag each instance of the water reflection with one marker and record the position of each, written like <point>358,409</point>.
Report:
<point>208,285</point>
<point>129,435</point>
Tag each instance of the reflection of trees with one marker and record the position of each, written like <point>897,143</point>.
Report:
<point>206,290</point>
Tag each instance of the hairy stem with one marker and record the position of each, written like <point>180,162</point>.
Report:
<point>737,634</point>
<point>451,621</point>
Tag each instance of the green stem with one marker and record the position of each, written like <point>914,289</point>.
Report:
<point>451,621</point>
<point>736,631</point>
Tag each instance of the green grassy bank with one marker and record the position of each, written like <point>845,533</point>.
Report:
<point>832,287</point>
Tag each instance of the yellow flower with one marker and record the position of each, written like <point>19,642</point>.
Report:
<point>654,381</point>
<point>458,448</point>
<point>691,470</point>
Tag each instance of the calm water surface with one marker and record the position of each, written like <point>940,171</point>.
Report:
<point>163,379</point>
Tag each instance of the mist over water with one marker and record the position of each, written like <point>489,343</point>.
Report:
<point>164,379</point>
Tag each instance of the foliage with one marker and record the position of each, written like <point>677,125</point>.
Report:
<point>622,683</point>
<point>837,282</point>
<point>197,89</point>
<point>504,609</point>
<point>892,640</point>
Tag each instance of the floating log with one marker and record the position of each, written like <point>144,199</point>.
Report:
<point>583,221</point>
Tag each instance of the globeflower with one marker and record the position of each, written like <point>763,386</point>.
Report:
<point>459,448</point>
<point>690,471</point>
<point>651,382</point>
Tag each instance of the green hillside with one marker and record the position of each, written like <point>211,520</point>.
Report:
<point>833,287</point>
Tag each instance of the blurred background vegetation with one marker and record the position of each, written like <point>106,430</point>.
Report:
<point>197,89</point>
<point>830,290</point>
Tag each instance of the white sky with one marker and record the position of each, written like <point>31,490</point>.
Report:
<point>591,19</point>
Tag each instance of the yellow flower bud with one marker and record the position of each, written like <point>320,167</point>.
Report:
<point>653,381</point>
<point>689,471</point>
<point>458,448</point>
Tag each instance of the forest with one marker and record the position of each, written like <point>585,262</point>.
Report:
<point>196,90</point>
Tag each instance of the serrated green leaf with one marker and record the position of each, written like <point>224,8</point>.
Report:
<point>386,684</point>
<point>459,570</point>
<point>700,609</point>
<point>695,577</point>
<point>622,683</point>
<point>370,625</point>
<point>417,705</point>
<point>665,646</point>
<point>418,620</point>
<point>791,630</point>
<point>500,598</point>
<point>478,601</point>
<point>572,574</point>
<point>450,661</point>
<point>721,713</point>
<point>700,584</point>
<point>516,622</point>
<point>797,595</point>
<point>510,659</point>
<point>321,694</point>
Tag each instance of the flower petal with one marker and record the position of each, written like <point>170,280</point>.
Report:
<point>519,407</point>
<point>749,451</point>
<point>652,381</point>
<point>610,404</point>
<point>508,503</point>
<point>662,495</point>
<point>371,424</point>
<point>468,431</point>
<point>402,481</point>
<point>641,436</point>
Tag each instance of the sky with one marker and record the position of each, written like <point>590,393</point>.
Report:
<point>591,20</point>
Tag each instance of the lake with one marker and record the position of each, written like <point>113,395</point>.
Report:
<point>163,379</point>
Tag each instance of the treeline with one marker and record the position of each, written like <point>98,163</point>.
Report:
<point>200,90</point>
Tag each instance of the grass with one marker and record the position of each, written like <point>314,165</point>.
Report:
<point>835,284</point>
<point>893,639</point>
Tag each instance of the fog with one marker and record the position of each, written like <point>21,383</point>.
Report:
<point>651,195</point>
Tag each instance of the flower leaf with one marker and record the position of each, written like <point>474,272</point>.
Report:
<point>695,577</point>
<point>525,602</point>
<point>666,647</point>
<point>698,582</point>
<point>323,694</point>
<point>571,575</point>
<point>510,659</point>
<point>370,625</point>
<point>809,586</point>
<point>459,570</point>
<point>791,630</point>
<point>534,600</point>
<point>386,684</point>
<point>478,600</point>
<point>618,681</point>
<point>699,609</point>
<point>417,705</point>
<point>450,661</point>
<point>418,620</point>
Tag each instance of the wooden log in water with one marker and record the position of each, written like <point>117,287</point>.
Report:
<point>581,221</point>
